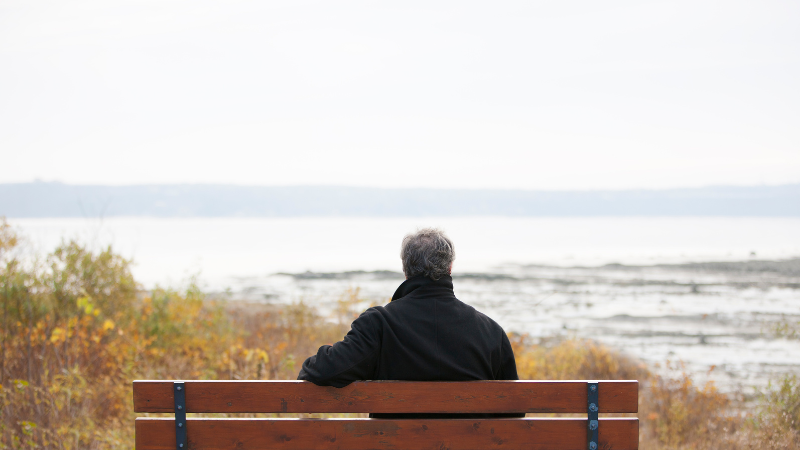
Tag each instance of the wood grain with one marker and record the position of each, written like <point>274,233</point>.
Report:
<point>386,397</point>
<point>377,434</point>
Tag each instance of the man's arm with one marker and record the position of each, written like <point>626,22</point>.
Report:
<point>351,359</point>
<point>508,369</point>
<point>508,365</point>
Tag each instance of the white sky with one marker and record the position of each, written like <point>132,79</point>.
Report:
<point>529,94</point>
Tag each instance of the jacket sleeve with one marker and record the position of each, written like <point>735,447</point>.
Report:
<point>508,365</point>
<point>508,370</point>
<point>351,359</point>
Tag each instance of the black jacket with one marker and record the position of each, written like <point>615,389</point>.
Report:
<point>424,334</point>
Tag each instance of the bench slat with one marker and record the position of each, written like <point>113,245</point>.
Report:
<point>386,397</point>
<point>376,434</point>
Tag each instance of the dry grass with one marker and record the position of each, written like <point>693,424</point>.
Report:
<point>76,331</point>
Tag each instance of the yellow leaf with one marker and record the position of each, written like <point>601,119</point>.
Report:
<point>108,325</point>
<point>83,302</point>
<point>57,333</point>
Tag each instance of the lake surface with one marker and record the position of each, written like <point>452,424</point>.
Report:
<point>541,276</point>
<point>168,251</point>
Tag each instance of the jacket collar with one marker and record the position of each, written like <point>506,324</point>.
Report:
<point>417,282</point>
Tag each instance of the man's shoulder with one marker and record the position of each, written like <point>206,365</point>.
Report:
<point>373,312</point>
<point>371,317</point>
<point>485,319</point>
<point>411,304</point>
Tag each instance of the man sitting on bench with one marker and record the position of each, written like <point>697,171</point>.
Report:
<point>424,334</point>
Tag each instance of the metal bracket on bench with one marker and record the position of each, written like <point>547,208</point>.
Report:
<point>179,390</point>
<point>594,407</point>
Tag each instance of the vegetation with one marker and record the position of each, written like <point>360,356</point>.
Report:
<point>787,329</point>
<point>77,329</point>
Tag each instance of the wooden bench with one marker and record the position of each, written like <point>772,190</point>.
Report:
<point>564,433</point>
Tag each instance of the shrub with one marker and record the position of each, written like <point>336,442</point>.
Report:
<point>776,424</point>
<point>678,414</point>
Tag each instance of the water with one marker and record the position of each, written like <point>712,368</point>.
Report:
<point>167,251</point>
<point>541,276</point>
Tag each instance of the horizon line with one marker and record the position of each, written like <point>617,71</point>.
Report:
<point>347,186</point>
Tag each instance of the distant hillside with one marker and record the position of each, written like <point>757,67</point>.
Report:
<point>62,200</point>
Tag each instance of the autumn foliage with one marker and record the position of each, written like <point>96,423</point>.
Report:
<point>77,329</point>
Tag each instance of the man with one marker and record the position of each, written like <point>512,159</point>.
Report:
<point>424,334</point>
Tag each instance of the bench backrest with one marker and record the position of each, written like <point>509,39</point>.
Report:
<point>585,397</point>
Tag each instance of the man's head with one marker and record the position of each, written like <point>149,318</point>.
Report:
<point>428,253</point>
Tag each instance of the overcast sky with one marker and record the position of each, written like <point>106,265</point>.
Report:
<point>530,94</point>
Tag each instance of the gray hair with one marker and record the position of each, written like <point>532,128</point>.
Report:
<point>428,252</point>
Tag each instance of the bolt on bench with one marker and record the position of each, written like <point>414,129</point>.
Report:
<point>589,397</point>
